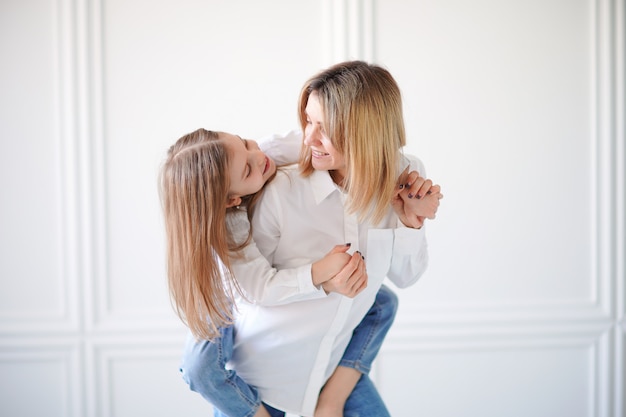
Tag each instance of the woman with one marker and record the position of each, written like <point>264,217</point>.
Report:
<point>346,189</point>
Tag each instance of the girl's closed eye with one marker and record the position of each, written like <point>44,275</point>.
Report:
<point>248,167</point>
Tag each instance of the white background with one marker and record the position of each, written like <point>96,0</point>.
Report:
<point>515,106</point>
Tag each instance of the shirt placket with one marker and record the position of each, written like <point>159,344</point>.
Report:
<point>317,379</point>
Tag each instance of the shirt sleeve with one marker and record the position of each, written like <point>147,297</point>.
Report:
<point>409,257</point>
<point>283,149</point>
<point>258,281</point>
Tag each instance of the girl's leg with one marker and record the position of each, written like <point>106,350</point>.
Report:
<point>204,369</point>
<point>368,336</point>
<point>357,359</point>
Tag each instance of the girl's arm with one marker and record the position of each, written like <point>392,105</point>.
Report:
<point>261,283</point>
<point>283,149</point>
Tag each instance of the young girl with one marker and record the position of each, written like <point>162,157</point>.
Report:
<point>208,181</point>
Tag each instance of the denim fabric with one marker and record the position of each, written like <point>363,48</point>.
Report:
<point>204,362</point>
<point>204,369</point>
<point>368,336</point>
<point>365,401</point>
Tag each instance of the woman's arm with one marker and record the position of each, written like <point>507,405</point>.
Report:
<point>410,250</point>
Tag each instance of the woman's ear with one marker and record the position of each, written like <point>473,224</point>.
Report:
<point>233,201</point>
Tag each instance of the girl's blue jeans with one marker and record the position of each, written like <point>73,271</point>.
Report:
<point>204,367</point>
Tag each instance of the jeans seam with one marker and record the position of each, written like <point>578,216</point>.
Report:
<point>230,382</point>
<point>358,364</point>
<point>370,334</point>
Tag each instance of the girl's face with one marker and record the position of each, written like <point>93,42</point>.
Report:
<point>249,167</point>
<point>324,156</point>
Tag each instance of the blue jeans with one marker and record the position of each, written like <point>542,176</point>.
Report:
<point>204,367</point>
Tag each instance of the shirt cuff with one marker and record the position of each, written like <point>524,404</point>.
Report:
<point>406,239</point>
<point>305,281</point>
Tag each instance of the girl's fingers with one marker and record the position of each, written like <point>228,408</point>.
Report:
<point>339,248</point>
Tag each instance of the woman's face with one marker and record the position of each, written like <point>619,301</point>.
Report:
<point>249,167</point>
<point>324,156</point>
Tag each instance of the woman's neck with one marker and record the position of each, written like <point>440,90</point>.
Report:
<point>337,176</point>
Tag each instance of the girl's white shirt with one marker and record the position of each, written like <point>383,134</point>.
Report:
<point>258,281</point>
<point>288,351</point>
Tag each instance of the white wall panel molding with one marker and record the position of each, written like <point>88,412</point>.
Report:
<point>102,312</point>
<point>619,366</point>
<point>619,370</point>
<point>350,29</point>
<point>112,360</point>
<point>619,14</point>
<point>596,340</point>
<point>588,351</point>
<point>58,312</point>
<point>496,313</point>
<point>607,160</point>
<point>607,164</point>
<point>93,183</point>
<point>403,336</point>
<point>41,377</point>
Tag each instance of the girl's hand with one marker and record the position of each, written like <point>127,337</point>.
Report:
<point>351,280</point>
<point>341,273</point>
<point>416,199</point>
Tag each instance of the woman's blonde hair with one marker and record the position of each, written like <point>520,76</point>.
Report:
<point>194,189</point>
<point>362,108</point>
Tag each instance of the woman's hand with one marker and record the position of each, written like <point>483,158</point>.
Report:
<point>340,272</point>
<point>416,199</point>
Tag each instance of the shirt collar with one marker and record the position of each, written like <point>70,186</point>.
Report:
<point>322,185</point>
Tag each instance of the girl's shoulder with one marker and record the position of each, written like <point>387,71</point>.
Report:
<point>238,224</point>
<point>286,177</point>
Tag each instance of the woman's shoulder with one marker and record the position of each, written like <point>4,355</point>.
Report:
<point>416,164</point>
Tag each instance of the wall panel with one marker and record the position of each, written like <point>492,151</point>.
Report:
<point>139,376</point>
<point>40,378</point>
<point>507,371</point>
<point>171,75</point>
<point>37,250</point>
<point>492,106</point>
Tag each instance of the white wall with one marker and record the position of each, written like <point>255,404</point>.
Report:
<point>516,107</point>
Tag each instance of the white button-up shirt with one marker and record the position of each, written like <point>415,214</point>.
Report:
<point>289,351</point>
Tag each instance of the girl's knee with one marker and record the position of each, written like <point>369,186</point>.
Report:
<point>201,366</point>
<point>387,301</point>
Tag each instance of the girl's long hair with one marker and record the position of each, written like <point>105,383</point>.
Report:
<point>362,107</point>
<point>194,189</point>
